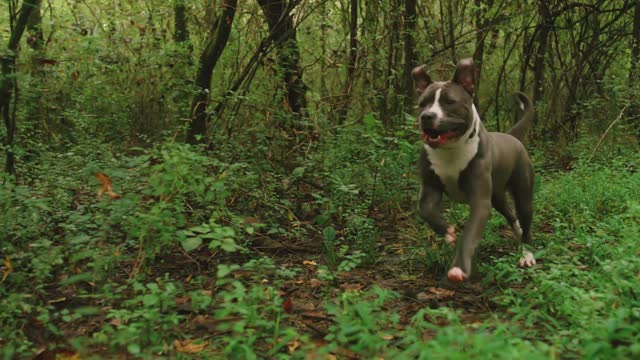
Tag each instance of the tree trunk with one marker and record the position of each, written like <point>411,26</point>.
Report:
<point>215,44</point>
<point>351,62</point>
<point>8,82</point>
<point>410,22</point>
<point>634,71</point>
<point>283,31</point>
<point>482,29</point>
<point>545,25</point>
<point>181,33</point>
<point>452,33</point>
<point>34,27</point>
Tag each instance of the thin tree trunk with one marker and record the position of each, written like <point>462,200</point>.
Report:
<point>634,71</point>
<point>215,44</point>
<point>181,33</point>
<point>34,27</point>
<point>410,22</point>
<point>452,33</point>
<point>323,47</point>
<point>281,26</point>
<point>482,29</point>
<point>351,62</point>
<point>389,102</point>
<point>8,82</point>
<point>545,25</point>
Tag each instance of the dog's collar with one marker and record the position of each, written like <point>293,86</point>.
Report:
<point>473,133</point>
<point>476,123</point>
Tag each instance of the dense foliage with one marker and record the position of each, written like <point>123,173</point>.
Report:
<point>285,226</point>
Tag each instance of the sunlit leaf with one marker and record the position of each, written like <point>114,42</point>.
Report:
<point>191,243</point>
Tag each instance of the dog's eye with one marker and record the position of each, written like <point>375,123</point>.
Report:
<point>448,101</point>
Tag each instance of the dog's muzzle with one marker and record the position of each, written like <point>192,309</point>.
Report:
<point>437,132</point>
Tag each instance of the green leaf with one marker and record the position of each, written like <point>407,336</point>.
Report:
<point>228,245</point>
<point>297,172</point>
<point>202,229</point>
<point>370,122</point>
<point>224,270</point>
<point>150,299</point>
<point>329,234</point>
<point>133,349</point>
<point>191,243</point>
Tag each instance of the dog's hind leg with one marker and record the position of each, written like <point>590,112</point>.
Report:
<point>522,191</point>
<point>500,203</point>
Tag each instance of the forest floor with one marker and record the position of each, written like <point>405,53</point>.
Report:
<point>86,286</point>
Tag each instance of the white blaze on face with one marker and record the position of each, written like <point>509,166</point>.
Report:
<point>436,108</point>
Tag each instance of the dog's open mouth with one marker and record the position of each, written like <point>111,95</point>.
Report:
<point>436,138</point>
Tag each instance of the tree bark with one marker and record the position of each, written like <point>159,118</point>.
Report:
<point>634,71</point>
<point>452,33</point>
<point>283,31</point>
<point>545,25</point>
<point>34,27</point>
<point>351,61</point>
<point>181,33</point>
<point>482,29</point>
<point>8,82</point>
<point>410,62</point>
<point>215,44</point>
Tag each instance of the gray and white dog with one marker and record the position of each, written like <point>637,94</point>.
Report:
<point>471,165</point>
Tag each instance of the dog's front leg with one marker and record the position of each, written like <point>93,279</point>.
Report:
<point>480,202</point>
<point>431,212</point>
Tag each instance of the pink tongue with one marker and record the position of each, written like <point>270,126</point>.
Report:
<point>441,139</point>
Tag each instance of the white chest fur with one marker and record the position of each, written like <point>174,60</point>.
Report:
<point>449,161</point>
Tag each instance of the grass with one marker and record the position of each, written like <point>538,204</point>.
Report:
<point>206,257</point>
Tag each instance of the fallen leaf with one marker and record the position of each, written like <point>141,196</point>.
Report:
<point>293,345</point>
<point>251,220</point>
<point>106,186</point>
<point>287,305</point>
<point>441,292</point>
<point>315,283</point>
<point>189,346</point>
<point>181,300</point>
<point>203,322</point>
<point>351,287</point>
<point>67,355</point>
<point>309,263</point>
<point>7,269</point>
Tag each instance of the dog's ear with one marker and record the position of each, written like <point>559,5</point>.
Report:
<point>420,78</point>
<point>465,75</point>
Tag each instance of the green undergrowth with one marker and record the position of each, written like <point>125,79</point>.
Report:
<point>177,257</point>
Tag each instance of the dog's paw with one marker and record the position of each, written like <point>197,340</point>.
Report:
<point>450,237</point>
<point>456,275</point>
<point>517,231</point>
<point>527,259</point>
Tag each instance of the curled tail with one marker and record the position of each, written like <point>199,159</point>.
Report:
<point>519,130</point>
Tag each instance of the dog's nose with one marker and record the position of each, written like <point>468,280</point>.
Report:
<point>427,118</point>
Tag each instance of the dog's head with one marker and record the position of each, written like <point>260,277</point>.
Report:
<point>446,107</point>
